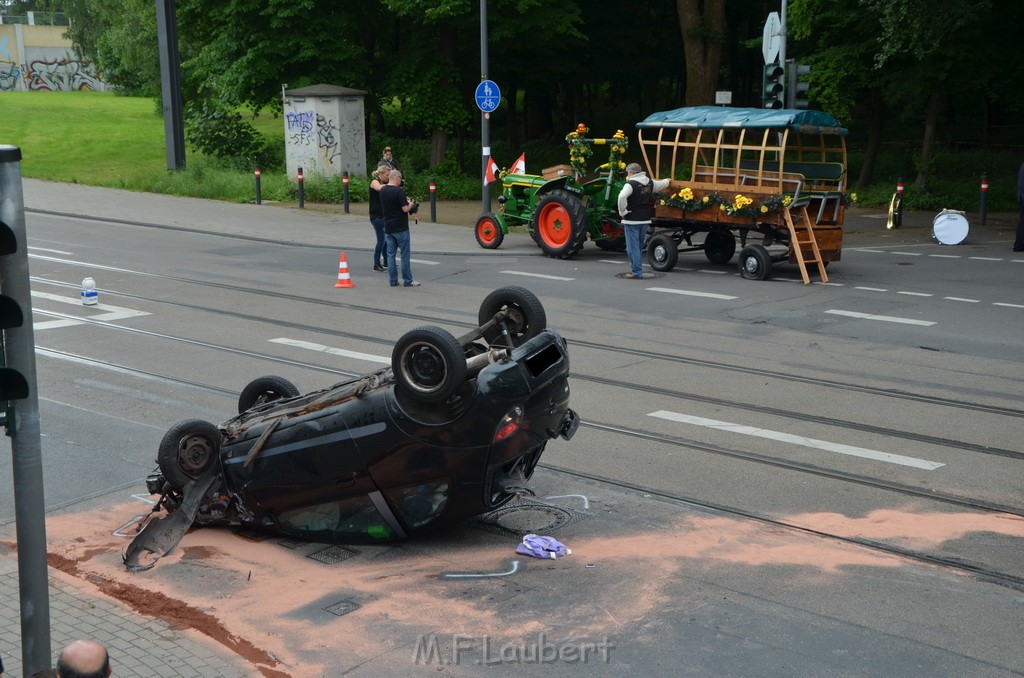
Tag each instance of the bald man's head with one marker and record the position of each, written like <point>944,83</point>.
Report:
<point>83,659</point>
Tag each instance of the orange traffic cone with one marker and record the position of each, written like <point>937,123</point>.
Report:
<point>343,278</point>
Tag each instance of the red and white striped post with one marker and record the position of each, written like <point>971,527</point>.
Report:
<point>984,198</point>
<point>302,196</point>
<point>259,199</point>
<point>344,188</point>
<point>433,200</point>
<point>899,209</point>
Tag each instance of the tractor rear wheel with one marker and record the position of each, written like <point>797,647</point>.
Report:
<point>488,232</point>
<point>560,224</point>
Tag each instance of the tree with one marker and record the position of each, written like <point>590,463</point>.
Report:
<point>702,24</point>
<point>119,37</point>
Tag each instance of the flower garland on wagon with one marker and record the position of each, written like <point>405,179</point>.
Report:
<point>741,205</point>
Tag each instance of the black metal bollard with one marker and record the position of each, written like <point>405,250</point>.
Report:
<point>302,196</point>
<point>259,198</point>
<point>899,209</point>
<point>984,198</point>
<point>344,188</point>
<point>433,200</point>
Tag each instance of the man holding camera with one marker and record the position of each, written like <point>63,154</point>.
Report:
<point>397,207</point>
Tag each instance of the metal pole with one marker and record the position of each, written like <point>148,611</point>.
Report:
<point>29,508</point>
<point>302,195</point>
<point>259,197</point>
<point>485,118</point>
<point>170,83</point>
<point>782,32</point>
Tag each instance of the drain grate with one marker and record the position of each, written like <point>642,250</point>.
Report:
<point>528,516</point>
<point>343,607</point>
<point>291,543</point>
<point>332,555</point>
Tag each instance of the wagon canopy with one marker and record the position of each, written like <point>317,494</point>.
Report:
<point>718,117</point>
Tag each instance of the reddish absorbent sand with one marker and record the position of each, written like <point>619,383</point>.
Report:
<point>246,593</point>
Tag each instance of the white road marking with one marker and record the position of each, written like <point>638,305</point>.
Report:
<point>986,258</point>
<point>908,254</point>
<point>424,261</point>
<point>945,256</point>
<point>111,313</point>
<point>708,270</point>
<point>44,249</point>
<point>916,294</point>
<point>872,289</point>
<point>838,448</point>
<point>331,350</point>
<point>536,275</point>
<point>885,318</point>
<point>690,293</point>
<point>972,301</point>
<point>999,303</point>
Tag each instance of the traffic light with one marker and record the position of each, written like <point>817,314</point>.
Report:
<point>772,89</point>
<point>13,385</point>
<point>796,84</point>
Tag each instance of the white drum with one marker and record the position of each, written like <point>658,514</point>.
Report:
<point>950,227</point>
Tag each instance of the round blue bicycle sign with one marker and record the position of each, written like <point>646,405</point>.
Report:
<point>488,96</point>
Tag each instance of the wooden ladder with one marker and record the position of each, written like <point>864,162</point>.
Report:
<point>801,236</point>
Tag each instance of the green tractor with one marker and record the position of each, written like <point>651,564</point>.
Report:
<point>560,208</point>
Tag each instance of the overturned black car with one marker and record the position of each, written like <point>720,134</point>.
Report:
<point>453,428</point>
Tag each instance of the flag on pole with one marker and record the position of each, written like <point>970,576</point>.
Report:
<point>492,171</point>
<point>519,166</point>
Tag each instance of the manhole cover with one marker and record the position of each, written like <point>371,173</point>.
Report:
<point>524,517</point>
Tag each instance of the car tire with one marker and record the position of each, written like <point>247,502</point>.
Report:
<point>189,450</point>
<point>264,390</point>
<point>662,252</point>
<point>429,364</point>
<point>488,232</point>
<point>526,319</point>
<point>755,263</point>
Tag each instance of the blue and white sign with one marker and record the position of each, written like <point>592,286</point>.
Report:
<point>488,96</point>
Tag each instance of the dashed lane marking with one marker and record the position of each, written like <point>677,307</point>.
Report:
<point>884,318</point>
<point>691,293</point>
<point>838,448</point>
<point>537,275</point>
<point>330,350</point>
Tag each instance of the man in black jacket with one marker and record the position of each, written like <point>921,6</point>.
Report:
<point>396,207</point>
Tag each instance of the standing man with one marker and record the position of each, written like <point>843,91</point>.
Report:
<point>380,178</point>
<point>396,206</point>
<point>636,207</point>
<point>389,159</point>
<point>83,659</point>
<point>1018,244</point>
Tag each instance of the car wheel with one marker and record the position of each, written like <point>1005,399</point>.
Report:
<point>188,451</point>
<point>719,246</point>
<point>488,232</point>
<point>429,363</point>
<point>526,316</point>
<point>264,390</point>
<point>662,252</point>
<point>755,263</point>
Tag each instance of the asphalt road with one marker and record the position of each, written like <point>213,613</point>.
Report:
<point>815,479</point>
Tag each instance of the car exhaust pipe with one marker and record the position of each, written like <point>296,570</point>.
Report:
<point>489,357</point>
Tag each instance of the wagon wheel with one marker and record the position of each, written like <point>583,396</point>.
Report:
<point>429,363</point>
<point>263,390</point>
<point>755,263</point>
<point>188,451</point>
<point>560,224</point>
<point>488,232</point>
<point>719,246</point>
<point>662,252</point>
<point>526,317</point>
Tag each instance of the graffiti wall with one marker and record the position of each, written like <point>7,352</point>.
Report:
<point>39,58</point>
<point>325,131</point>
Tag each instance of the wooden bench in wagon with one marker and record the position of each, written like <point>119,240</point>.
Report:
<point>769,179</point>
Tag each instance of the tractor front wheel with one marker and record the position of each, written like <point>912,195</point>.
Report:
<point>488,232</point>
<point>560,224</point>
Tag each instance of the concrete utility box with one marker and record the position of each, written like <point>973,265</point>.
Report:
<point>325,131</point>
